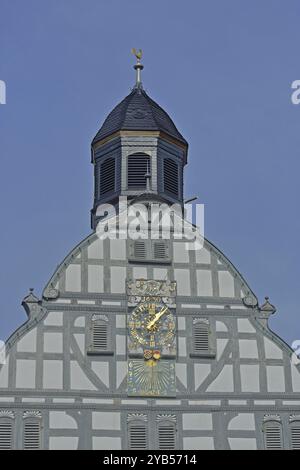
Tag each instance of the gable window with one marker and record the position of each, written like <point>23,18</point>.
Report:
<point>138,167</point>
<point>32,431</point>
<point>272,429</point>
<point>171,177</point>
<point>295,433</point>
<point>6,430</point>
<point>107,176</point>
<point>203,342</point>
<point>166,433</point>
<point>137,432</point>
<point>150,251</point>
<point>100,335</point>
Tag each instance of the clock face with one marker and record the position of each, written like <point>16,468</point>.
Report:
<point>152,325</point>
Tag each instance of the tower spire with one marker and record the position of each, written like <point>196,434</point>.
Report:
<point>138,66</point>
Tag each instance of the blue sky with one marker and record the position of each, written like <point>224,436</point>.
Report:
<point>223,70</point>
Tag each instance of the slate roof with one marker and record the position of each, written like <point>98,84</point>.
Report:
<point>138,112</point>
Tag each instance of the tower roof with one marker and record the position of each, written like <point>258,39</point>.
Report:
<point>138,112</point>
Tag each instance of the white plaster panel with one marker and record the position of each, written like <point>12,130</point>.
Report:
<point>4,374</point>
<point>95,278</point>
<point>182,346</point>
<point>117,277</point>
<point>28,342</point>
<point>224,381</point>
<point>272,351</point>
<point>106,443</point>
<point>120,321</point>
<point>117,249</point>
<point>198,443</point>
<point>182,276</point>
<point>80,340</point>
<point>54,319</point>
<point>275,379</point>
<point>139,273</point>
<point>181,373</point>
<point>201,371</point>
<point>250,378</point>
<point>80,321</point>
<point>197,421</point>
<point>121,372</point>
<point>63,443</point>
<point>248,348</point>
<point>73,278</point>
<point>53,374</point>
<point>95,249</point>
<point>242,422</point>
<point>181,254</point>
<point>221,345</point>
<point>226,284</point>
<point>106,420</point>
<point>61,420</point>
<point>120,344</point>
<point>220,326</point>
<point>244,326</point>
<point>242,443</point>
<point>203,256</point>
<point>101,369</point>
<point>204,283</point>
<point>25,374</point>
<point>181,324</point>
<point>160,273</point>
<point>295,378</point>
<point>79,380</point>
<point>53,342</point>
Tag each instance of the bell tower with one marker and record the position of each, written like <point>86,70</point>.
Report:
<point>137,151</point>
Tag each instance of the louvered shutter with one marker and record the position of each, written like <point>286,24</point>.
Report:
<point>32,434</point>
<point>107,176</point>
<point>138,435</point>
<point>166,436</point>
<point>171,176</point>
<point>138,167</point>
<point>100,335</point>
<point>201,338</point>
<point>160,251</point>
<point>6,430</point>
<point>273,436</point>
<point>295,435</point>
<point>140,250</point>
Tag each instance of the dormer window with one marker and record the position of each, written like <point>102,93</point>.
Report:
<point>138,167</point>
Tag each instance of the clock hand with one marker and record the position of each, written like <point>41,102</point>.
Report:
<point>156,318</point>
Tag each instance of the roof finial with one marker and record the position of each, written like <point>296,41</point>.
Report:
<point>138,66</point>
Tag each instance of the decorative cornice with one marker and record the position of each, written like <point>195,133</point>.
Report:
<point>7,414</point>
<point>272,418</point>
<point>32,414</point>
<point>137,416</point>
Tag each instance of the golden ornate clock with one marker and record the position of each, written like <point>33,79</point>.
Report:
<point>151,338</point>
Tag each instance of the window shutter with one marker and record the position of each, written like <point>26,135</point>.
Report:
<point>107,176</point>
<point>140,251</point>
<point>6,430</point>
<point>201,338</point>
<point>273,437</point>
<point>166,436</point>
<point>100,335</point>
<point>138,435</point>
<point>170,176</point>
<point>295,435</point>
<point>32,434</point>
<point>138,167</point>
<point>160,251</point>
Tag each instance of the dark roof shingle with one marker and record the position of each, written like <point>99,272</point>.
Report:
<point>138,112</point>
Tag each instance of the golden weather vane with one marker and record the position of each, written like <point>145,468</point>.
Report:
<point>138,66</point>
